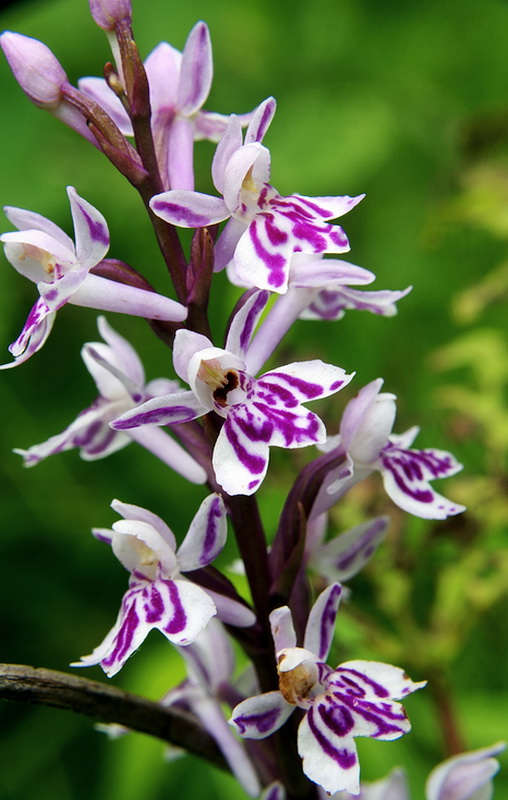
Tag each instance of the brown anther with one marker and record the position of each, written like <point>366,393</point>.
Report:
<point>296,684</point>
<point>231,382</point>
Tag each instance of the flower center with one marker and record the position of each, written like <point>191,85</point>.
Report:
<point>249,183</point>
<point>148,558</point>
<point>45,259</point>
<point>296,684</point>
<point>220,381</point>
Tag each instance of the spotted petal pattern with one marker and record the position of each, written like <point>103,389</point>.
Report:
<point>358,698</point>
<point>265,229</point>
<point>157,596</point>
<point>119,376</point>
<point>368,442</point>
<point>61,268</point>
<point>258,413</point>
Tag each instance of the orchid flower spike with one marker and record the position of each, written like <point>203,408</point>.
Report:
<point>367,439</point>
<point>120,379</point>
<point>158,596</point>
<point>179,84</point>
<point>265,229</point>
<point>44,254</point>
<point>355,699</point>
<point>258,413</point>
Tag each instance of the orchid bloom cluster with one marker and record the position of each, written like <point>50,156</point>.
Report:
<point>214,418</point>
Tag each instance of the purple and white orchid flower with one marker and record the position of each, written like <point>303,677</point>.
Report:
<point>467,776</point>
<point>210,665</point>
<point>318,288</point>
<point>258,413</point>
<point>158,596</point>
<point>179,84</point>
<point>355,699</point>
<point>44,254</point>
<point>265,229</point>
<point>120,378</point>
<point>368,442</point>
<point>341,558</point>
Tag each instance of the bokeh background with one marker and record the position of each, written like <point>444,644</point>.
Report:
<point>407,102</point>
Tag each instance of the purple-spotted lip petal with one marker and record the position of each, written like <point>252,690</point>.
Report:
<point>406,475</point>
<point>328,751</point>
<point>178,609</point>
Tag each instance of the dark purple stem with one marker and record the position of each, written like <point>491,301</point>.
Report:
<point>138,97</point>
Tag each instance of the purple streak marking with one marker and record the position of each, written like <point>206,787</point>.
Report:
<point>251,320</point>
<point>101,441</point>
<point>276,263</point>
<point>180,215</point>
<point>264,122</point>
<point>378,690</point>
<point>98,231</point>
<point>209,544</point>
<point>327,622</point>
<point>343,757</point>
<point>310,390</point>
<point>153,605</point>
<point>124,637</point>
<point>377,715</point>
<point>263,722</point>
<point>52,294</point>
<point>179,619</point>
<point>255,464</point>
<point>285,422</point>
<point>362,546</point>
<point>337,718</point>
<point>159,416</point>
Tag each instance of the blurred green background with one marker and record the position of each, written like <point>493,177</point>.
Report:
<point>407,102</point>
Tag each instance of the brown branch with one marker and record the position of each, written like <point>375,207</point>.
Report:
<point>108,704</point>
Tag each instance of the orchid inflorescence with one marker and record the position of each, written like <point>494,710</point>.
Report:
<point>216,421</point>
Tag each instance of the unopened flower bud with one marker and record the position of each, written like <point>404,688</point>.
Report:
<point>36,69</point>
<point>107,13</point>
